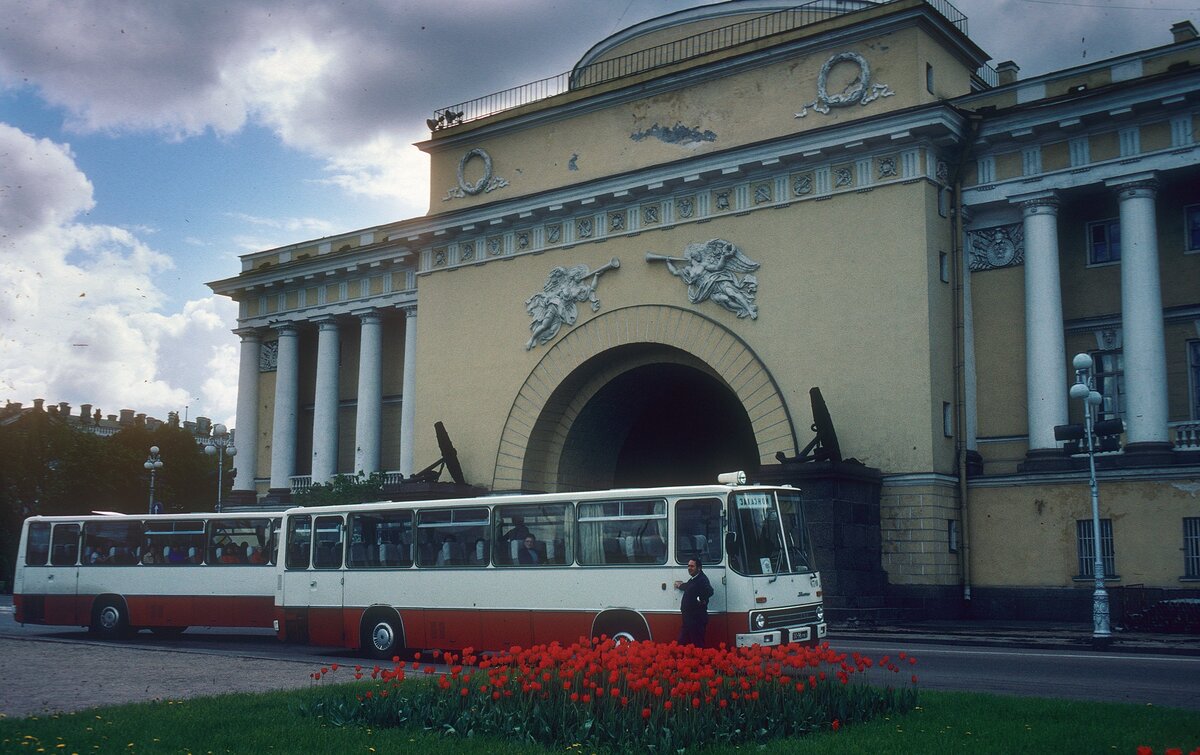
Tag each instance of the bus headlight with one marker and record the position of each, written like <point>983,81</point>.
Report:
<point>759,620</point>
<point>820,613</point>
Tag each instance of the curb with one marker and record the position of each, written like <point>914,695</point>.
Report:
<point>1185,645</point>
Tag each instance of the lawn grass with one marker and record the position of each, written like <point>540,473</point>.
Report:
<point>945,722</point>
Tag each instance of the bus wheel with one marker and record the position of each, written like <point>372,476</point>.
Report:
<point>622,637</point>
<point>381,637</point>
<point>109,619</point>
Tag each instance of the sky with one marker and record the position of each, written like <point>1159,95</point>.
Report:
<point>146,144</point>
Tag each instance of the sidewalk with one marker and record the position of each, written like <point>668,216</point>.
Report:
<point>1020,634</point>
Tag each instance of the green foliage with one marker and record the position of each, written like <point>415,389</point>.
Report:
<point>296,722</point>
<point>343,490</point>
<point>48,467</point>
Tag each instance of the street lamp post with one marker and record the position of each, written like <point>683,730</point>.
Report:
<point>220,445</point>
<point>1085,389</point>
<point>153,464</point>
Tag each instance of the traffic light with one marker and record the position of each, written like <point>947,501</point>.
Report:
<point>1107,434</point>
<point>1071,434</point>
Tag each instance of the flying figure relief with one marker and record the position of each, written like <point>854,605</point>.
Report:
<point>710,271</point>
<point>554,306</point>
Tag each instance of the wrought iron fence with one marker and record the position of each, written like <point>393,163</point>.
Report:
<point>661,56</point>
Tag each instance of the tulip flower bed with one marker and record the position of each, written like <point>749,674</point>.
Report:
<point>643,695</point>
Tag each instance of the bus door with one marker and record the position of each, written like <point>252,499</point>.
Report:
<point>293,588</point>
<point>699,535</point>
<point>326,581</point>
<point>58,581</point>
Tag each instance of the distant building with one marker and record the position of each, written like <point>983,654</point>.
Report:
<point>634,274</point>
<point>98,423</point>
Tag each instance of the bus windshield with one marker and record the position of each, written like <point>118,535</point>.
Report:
<point>771,537</point>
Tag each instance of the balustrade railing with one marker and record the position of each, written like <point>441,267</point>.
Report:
<point>660,56</point>
<point>1186,435</point>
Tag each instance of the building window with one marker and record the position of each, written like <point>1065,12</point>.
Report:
<point>944,267</point>
<point>1191,547</point>
<point>1109,371</point>
<point>929,78</point>
<point>947,419</point>
<point>1081,153</point>
<point>1191,232</point>
<point>1104,242</point>
<point>1087,553</point>
<point>952,535</point>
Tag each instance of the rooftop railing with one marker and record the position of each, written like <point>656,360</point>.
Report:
<point>661,56</point>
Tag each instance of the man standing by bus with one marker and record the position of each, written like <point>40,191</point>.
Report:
<point>694,606</point>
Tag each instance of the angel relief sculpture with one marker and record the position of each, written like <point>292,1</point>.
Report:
<point>554,306</point>
<point>711,270</point>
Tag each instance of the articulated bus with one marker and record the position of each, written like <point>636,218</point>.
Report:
<point>117,574</point>
<point>506,570</point>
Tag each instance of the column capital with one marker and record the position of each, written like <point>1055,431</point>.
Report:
<point>325,322</point>
<point>285,328</point>
<point>368,315</point>
<point>248,334</point>
<point>409,310</point>
<point>1042,203</point>
<point>1141,186</point>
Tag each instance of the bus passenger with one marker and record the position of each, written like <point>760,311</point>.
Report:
<point>528,553</point>
<point>257,556</point>
<point>226,555</point>
<point>519,531</point>
<point>694,605</point>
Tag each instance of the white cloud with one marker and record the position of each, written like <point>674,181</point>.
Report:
<point>81,315</point>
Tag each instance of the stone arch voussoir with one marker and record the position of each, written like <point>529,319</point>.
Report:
<point>705,341</point>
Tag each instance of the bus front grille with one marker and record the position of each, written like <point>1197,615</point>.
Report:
<point>790,617</point>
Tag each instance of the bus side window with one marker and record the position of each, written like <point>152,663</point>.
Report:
<point>698,531</point>
<point>327,553</point>
<point>37,545</point>
<point>299,541</point>
<point>64,550</point>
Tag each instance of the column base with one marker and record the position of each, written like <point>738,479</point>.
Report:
<point>1046,460</point>
<point>241,498</point>
<point>277,497</point>
<point>1149,454</point>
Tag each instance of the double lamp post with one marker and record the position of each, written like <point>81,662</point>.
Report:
<point>1084,390</point>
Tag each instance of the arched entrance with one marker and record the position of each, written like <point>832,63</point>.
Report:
<point>642,396</point>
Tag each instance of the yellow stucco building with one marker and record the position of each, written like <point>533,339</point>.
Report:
<point>634,274</point>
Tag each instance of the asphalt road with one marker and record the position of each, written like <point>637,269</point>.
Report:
<point>34,660</point>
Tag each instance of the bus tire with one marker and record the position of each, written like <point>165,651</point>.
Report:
<point>382,635</point>
<point>110,619</point>
<point>621,625</point>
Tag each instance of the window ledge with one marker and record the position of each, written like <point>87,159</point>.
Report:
<point>1089,578</point>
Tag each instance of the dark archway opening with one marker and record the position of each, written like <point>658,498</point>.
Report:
<point>658,424</point>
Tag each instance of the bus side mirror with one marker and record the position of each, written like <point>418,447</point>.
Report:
<point>730,541</point>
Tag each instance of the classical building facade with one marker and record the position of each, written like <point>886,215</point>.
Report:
<point>638,280</point>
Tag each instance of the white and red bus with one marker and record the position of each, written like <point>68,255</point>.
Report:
<point>116,573</point>
<point>450,574</point>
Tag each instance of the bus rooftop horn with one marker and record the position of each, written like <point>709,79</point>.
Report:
<point>732,478</point>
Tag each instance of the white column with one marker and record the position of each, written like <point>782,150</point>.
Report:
<point>408,407</point>
<point>287,392</point>
<point>1045,349</point>
<point>247,411</point>
<point>370,395</point>
<point>325,407</point>
<point>1144,346</point>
